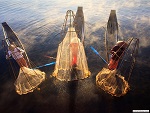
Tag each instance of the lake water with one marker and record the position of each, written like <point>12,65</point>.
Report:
<point>36,22</point>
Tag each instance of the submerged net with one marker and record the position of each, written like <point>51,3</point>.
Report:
<point>28,80</point>
<point>127,62</point>
<point>64,68</point>
<point>111,82</point>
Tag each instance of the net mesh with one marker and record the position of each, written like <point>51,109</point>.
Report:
<point>111,82</point>
<point>28,80</point>
<point>115,82</point>
<point>64,68</point>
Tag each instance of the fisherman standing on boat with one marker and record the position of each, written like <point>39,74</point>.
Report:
<point>117,52</point>
<point>16,53</point>
<point>74,50</point>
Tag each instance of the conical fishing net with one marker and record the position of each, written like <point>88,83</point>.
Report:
<point>28,80</point>
<point>71,63</point>
<point>115,81</point>
<point>111,82</point>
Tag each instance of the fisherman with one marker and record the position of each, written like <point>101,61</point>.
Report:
<point>16,53</point>
<point>74,44</point>
<point>117,52</point>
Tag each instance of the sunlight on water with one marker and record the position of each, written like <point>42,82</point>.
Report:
<point>38,18</point>
<point>37,22</point>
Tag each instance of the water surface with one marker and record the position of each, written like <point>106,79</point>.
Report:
<point>38,21</point>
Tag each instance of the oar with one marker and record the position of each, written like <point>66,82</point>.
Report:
<point>49,64</point>
<point>49,57</point>
<point>96,52</point>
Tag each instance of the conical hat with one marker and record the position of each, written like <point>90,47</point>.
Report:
<point>122,44</point>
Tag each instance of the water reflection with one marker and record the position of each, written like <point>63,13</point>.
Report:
<point>38,21</point>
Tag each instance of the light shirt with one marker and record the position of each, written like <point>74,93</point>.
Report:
<point>16,53</point>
